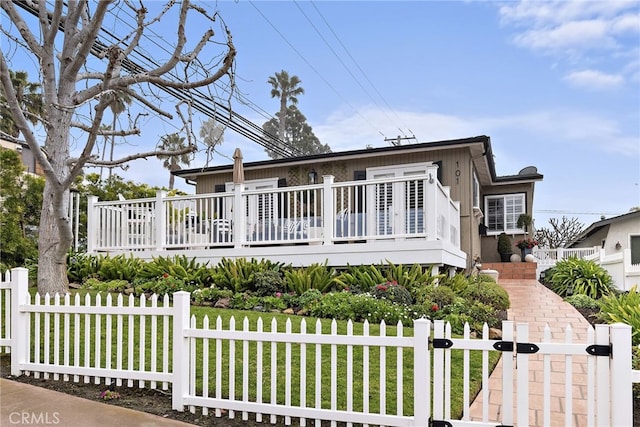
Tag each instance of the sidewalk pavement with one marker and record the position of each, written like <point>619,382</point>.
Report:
<point>533,303</point>
<point>27,405</point>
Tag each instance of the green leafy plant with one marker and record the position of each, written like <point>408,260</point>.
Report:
<point>179,267</point>
<point>392,292</point>
<point>268,282</point>
<point>209,295</point>
<point>239,274</point>
<point>504,244</point>
<point>106,286</point>
<point>623,308</point>
<point>315,276</point>
<point>487,292</point>
<point>119,267</point>
<point>524,221</point>
<point>582,301</point>
<point>82,266</point>
<point>580,276</point>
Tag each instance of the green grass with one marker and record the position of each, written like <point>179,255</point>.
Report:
<point>131,335</point>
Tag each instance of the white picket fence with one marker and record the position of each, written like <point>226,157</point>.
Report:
<point>294,373</point>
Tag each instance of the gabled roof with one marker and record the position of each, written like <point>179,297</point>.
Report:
<point>599,225</point>
<point>479,145</point>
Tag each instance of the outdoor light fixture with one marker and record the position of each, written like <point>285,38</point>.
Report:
<point>313,177</point>
<point>618,246</point>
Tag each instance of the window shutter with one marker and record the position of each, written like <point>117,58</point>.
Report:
<point>219,188</point>
<point>439,164</point>
<point>360,201</point>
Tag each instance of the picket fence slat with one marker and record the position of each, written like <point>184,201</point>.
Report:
<point>97,340</point>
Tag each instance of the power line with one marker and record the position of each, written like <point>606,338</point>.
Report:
<point>233,120</point>
<point>312,67</point>
<point>360,68</point>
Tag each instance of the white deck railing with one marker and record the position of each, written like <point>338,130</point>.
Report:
<point>549,257</point>
<point>382,209</point>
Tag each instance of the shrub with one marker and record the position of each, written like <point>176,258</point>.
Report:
<point>239,274</point>
<point>579,276</point>
<point>309,298</point>
<point>582,301</point>
<point>623,308</point>
<point>119,267</point>
<point>393,292</point>
<point>168,285</point>
<point>504,244</point>
<point>105,286</point>
<point>487,292</point>
<point>212,294</point>
<point>82,266</point>
<point>245,301</point>
<point>344,305</point>
<point>315,276</point>
<point>180,267</point>
<point>268,282</point>
<point>442,296</point>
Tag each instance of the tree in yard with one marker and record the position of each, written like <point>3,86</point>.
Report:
<point>173,143</point>
<point>560,232</point>
<point>285,88</point>
<point>298,133</point>
<point>77,90</point>
<point>29,99</point>
<point>21,196</point>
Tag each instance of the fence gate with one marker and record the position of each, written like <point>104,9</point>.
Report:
<point>542,383</point>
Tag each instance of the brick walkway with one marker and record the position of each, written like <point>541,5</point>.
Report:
<point>536,305</point>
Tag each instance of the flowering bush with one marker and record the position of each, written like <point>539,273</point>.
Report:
<point>109,395</point>
<point>393,292</point>
<point>527,243</point>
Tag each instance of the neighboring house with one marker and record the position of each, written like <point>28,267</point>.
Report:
<point>618,242</point>
<point>28,159</point>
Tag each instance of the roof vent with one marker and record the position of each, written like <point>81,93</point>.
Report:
<point>529,170</point>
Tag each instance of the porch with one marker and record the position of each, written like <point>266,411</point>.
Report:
<point>410,219</point>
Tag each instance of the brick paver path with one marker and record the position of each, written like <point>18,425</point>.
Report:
<point>536,305</point>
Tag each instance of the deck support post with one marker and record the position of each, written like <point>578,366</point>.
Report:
<point>328,210</point>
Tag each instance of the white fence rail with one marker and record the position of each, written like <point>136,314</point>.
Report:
<point>381,209</point>
<point>303,374</point>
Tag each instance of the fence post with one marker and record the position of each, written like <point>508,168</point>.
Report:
<point>181,310</point>
<point>621,385</point>
<point>239,218</point>
<point>91,224</point>
<point>329,210</point>
<point>19,336</point>
<point>421,373</point>
<point>161,220</point>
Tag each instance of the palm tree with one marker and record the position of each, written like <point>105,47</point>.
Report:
<point>286,88</point>
<point>173,142</point>
<point>118,101</point>
<point>29,98</point>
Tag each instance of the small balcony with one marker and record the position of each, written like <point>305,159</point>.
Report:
<point>402,220</point>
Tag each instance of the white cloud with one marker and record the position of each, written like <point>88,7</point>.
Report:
<point>570,35</point>
<point>346,132</point>
<point>594,80</point>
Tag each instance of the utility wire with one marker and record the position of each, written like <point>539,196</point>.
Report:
<point>252,3</point>
<point>233,120</point>
<point>361,70</point>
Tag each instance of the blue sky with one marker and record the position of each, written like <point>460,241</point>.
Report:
<point>555,84</point>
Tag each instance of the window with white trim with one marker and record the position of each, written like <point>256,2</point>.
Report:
<point>502,212</point>
<point>476,191</point>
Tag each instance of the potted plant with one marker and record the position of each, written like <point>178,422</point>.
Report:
<point>524,221</point>
<point>526,246</point>
<point>504,247</point>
